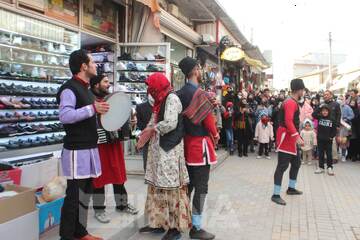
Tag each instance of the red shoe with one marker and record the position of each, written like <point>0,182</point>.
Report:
<point>90,237</point>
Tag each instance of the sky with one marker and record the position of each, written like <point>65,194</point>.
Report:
<point>293,28</point>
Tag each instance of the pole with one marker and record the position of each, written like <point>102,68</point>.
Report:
<point>330,60</point>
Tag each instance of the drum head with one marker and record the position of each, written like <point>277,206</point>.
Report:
<point>119,112</point>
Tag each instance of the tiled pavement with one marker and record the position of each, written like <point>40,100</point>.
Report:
<point>239,207</point>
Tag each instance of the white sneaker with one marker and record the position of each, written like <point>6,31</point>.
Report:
<point>309,163</point>
<point>330,172</point>
<point>258,157</point>
<point>319,171</point>
<point>102,217</point>
<point>268,157</point>
<point>303,162</point>
<point>343,159</point>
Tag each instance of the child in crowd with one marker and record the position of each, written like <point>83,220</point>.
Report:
<point>309,136</point>
<point>228,126</point>
<point>264,134</point>
<point>243,129</point>
<point>325,136</point>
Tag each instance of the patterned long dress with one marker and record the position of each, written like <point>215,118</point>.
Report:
<point>167,203</point>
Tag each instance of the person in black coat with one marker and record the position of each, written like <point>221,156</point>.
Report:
<point>143,115</point>
<point>243,129</point>
<point>355,132</point>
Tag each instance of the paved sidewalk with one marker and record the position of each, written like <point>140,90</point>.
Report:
<point>239,206</point>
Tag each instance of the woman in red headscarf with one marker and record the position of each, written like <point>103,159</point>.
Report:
<point>167,203</point>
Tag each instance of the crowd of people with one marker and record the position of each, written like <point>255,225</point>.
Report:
<point>180,132</point>
<point>252,118</point>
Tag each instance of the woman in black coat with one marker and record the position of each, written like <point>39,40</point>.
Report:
<point>243,129</point>
<point>355,133</point>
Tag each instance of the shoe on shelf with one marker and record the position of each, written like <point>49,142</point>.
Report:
<point>293,191</point>
<point>278,200</point>
<point>148,229</point>
<point>319,171</point>
<point>200,234</point>
<point>172,234</point>
<point>128,209</point>
<point>102,217</point>
<point>17,41</point>
<point>330,171</point>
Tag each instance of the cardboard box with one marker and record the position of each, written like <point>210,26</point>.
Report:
<point>49,213</point>
<point>21,228</point>
<point>11,176</point>
<point>38,174</point>
<point>18,205</point>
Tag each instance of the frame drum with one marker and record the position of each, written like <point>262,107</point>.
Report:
<point>119,111</point>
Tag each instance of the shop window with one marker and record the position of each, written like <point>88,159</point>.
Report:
<point>63,10</point>
<point>99,16</point>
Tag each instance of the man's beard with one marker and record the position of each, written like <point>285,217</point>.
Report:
<point>101,93</point>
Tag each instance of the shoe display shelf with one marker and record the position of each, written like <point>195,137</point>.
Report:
<point>135,62</point>
<point>34,59</point>
<point>105,63</point>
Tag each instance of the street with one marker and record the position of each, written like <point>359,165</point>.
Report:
<point>239,206</point>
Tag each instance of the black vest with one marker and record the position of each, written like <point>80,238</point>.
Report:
<point>173,138</point>
<point>186,94</point>
<point>83,134</point>
<point>282,116</point>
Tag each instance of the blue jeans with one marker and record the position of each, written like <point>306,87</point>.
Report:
<point>229,138</point>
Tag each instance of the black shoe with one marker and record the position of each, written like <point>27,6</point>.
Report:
<point>172,234</point>
<point>278,200</point>
<point>148,229</point>
<point>200,234</point>
<point>240,154</point>
<point>293,191</point>
<point>245,155</point>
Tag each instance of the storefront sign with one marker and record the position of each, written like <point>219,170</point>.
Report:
<point>233,54</point>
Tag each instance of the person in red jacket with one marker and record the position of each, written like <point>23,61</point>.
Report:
<point>200,136</point>
<point>112,161</point>
<point>287,139</point>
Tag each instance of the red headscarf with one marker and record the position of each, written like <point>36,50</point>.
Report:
<point>159,88</point>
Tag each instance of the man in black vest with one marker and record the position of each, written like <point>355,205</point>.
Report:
<point>80,157</point>
<point>199,147</point>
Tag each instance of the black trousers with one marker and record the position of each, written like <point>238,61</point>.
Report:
<point>120,194</point>
<point>199,178</point>
<point>325,146</point>
<point>243,143</point>
<point>263,147</point>
<point>74,212</point>
<point>354,149</point>
<point>284,159</point>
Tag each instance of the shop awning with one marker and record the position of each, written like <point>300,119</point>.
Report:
<point>152,4</point>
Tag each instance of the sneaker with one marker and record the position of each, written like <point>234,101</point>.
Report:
<point>102,217</point>
<point>343,159</point>
<point>268,157</point>
<point>17,41</point>
<point>172,234</point>
<point>200,234</point>
<point>293,191</point>
<point>309,163</point>
<point>148,229</point>
<point>319,171</point>
<point>303,162</point>
<point>128,209</point>
<point>259,157</point>
<point>278,200</point>
<point>330,171</point>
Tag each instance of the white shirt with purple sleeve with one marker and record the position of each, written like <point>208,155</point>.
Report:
<point>77,164</point>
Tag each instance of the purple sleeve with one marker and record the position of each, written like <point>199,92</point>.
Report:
<point>68,114</point>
